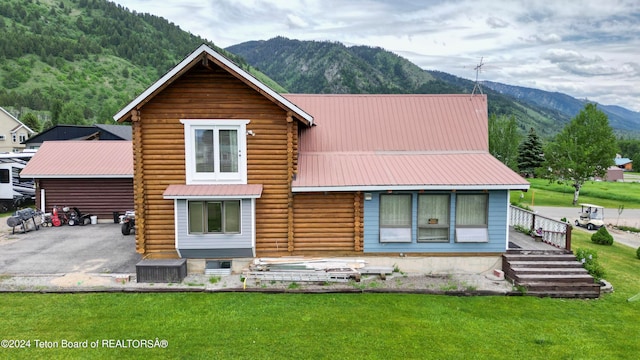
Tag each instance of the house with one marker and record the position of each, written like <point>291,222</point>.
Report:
<point>225,168</point>
<point>625,164</point>
<point>94,176</point>
<point>12,132</point>
<point>80,132</point>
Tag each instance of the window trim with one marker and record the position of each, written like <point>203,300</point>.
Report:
<point>405,228</point>
<point>192,177</point>
<point>205,203</point>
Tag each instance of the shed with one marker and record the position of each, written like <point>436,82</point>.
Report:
<point>615,173</point>
<point>95,176</point>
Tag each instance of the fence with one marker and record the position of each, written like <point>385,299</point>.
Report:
<point>553,232</point>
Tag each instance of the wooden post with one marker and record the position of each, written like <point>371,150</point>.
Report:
<point>138,184</point>
<point>568,237</point>
<point>357,223</point>
<point>290,234</point>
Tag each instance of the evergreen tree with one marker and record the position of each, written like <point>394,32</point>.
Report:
<point>530,155</point>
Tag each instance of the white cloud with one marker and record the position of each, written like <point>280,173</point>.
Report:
<point>578,46</point>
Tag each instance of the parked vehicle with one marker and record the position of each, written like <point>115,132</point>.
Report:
<point>14,190</point>
<point>128,222</point>
<point>591,217</point>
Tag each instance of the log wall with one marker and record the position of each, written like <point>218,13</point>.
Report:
<point>211,93</point>
<point>328,224</point>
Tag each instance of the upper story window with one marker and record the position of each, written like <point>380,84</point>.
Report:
<point>23,137</point>
<point>215,151</point>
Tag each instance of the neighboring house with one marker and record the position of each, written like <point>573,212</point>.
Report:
<point>225,168</point>
<point>81,174</point>
<point>80,132</point>
<point>12,133</point>
<point>625,164</point>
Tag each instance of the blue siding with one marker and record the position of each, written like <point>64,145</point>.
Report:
<point>189,244</point>
<point>497,227</point>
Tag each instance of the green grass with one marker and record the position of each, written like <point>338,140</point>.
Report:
<point>607,194</point>
<point>345,326</point>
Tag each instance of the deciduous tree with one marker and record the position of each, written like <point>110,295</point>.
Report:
<point>504,139</point>
<point>585,148</point>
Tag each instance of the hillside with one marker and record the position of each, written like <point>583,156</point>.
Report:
<point>329,67</point>
<point>80,61</point>
<point>619,117</point>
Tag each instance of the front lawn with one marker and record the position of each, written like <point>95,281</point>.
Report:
<point>607,194</point>
<point>344,326</point>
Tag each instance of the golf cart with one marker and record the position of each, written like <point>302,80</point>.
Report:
<point>591,216</point>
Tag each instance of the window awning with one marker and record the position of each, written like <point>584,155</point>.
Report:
<point>226,191</point>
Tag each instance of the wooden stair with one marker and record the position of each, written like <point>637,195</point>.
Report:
<point>549,274</point>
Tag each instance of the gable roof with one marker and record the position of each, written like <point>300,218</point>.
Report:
<point>18,122</point>
<point>622,161</point>
<point>204,53</point>
<point>123,132</point>
<point>81,159</point>
<point>398,142</point>
<point>80,132</point>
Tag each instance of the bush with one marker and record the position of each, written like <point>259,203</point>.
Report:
<point>602,237</point>
<point>589,259</point>
<point>638,253</point>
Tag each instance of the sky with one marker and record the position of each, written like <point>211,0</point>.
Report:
<point>586,49</point>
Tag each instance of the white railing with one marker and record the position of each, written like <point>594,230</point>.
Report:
<point>553,232</point>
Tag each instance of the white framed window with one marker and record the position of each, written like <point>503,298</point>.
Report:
<point>14,137</point>
<point>472,217</point>
<point>215,151</point>
<point>2,137</point>
<point>23,137</point>
<point>433,217</point>
<point>395,218</point>
<point>214,217</point>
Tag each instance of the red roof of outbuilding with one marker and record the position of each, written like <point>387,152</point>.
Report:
<point>386,142</point>
<point>81,159</point>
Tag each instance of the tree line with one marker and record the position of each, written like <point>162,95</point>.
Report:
<point>584,149</point>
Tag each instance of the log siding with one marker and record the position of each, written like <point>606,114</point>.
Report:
<point>327,223</point>
<point>210,92</point>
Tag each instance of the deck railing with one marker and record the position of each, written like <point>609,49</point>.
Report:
<point>553,232</point>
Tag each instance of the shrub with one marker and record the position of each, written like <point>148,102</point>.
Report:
<point>638,253</point>
<point>602,237</point>
<point>589,259</point>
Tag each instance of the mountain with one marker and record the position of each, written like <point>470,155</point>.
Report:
<point>80,61</point>
<point>619,117</point>
<point>331,67</point>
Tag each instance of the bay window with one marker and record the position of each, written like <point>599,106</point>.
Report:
<point>206,217</point>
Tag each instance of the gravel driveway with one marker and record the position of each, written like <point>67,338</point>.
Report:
<point>99,248</point>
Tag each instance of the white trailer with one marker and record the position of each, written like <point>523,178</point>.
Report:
<point>14,190</point>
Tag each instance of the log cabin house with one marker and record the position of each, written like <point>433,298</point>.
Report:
<point>226,168</point>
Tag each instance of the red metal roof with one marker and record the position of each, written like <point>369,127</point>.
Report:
<point>382,142</point>
<point>394,122</point>
<point>81,159</point>
<point>180,191</point>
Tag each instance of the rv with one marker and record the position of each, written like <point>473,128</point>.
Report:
<point>15,191</point>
